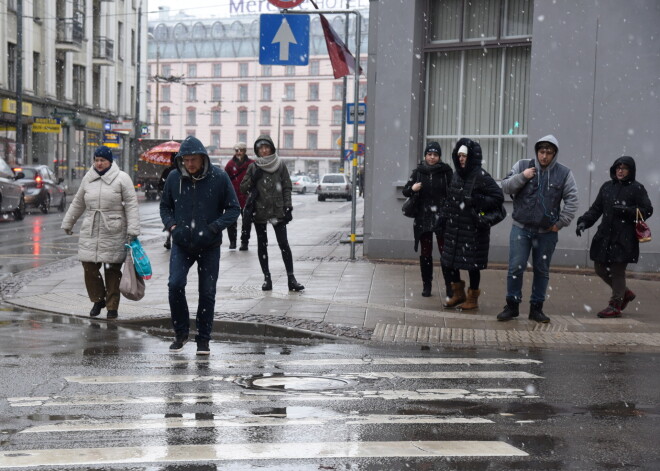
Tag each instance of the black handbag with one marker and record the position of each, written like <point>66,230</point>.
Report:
<point>410,206</point>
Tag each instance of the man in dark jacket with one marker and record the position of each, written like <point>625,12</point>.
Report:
<point>198,203</point>
<point>236,169</point>
<point>538,187</point>
<point>615,244</point>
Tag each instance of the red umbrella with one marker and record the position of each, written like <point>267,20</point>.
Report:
<point>162,153</point>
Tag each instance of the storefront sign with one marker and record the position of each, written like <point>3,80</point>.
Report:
<point>111,139</point>
<point>48,125</point>
<point>9,106</point>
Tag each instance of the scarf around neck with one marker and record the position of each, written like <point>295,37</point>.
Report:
<point>269,164</point>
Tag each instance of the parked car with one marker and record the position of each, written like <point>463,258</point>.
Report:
<point>12,199</point>
<point>42,188</point>
<point>302,184</point>
<point>335,185</point>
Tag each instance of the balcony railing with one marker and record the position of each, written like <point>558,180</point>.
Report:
<point>69,34</point>
<point>104,49</point>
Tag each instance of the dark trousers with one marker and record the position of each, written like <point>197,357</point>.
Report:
<point>282,241</point>
<point>426,246</point>
<point>97,290</point>
<point>614,274</point>
<point>246,228</point>
<point>208,266</point>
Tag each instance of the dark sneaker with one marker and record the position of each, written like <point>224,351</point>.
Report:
<point>112,314</point>
<point>96,308</point>
<point>203,347</point>
<point>232,246</point>
<point>178,344</point>
<point>628,297</point>
<point>244,246</point>
<point>511,311</point>
<point>536,313</point>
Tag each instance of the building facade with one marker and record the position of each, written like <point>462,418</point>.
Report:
<point>205,80</point>
<point>79,81</point>
<point>505,73</point>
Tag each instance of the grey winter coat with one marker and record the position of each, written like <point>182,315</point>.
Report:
<point>274,192</point>
<point>537,202</point>
<point>109,207</point>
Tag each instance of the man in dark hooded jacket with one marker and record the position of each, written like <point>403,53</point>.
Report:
<point>198,203</point>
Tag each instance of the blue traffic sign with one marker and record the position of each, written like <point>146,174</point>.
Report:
<point>361,113</point>
<point>284,40</point>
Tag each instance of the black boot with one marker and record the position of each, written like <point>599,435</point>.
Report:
<point>294,285</point>
<point>268,283</point>
<point>536,313</point>
<point>510,311</point>
<point>112,314</point>
<point>96,308</point>
<point>426,267</point>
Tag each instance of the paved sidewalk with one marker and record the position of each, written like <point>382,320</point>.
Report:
<point>365,300</point>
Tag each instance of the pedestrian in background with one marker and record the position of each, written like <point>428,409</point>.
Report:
<point>198,203</point>
<point>270,177</point>
<point>429,181</point>
<point>467,242</point>
<point>107,199</point>
<point>161,186</point>
<point>236,169</point>
<point>615,244</point>
<point>538,187</point>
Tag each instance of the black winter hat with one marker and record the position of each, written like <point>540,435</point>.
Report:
<point>433,146</point>
<point>103,152</point>
<point>190,146</point>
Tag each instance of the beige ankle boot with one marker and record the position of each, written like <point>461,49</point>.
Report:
<point>459,295</point>
<point>472,300</point>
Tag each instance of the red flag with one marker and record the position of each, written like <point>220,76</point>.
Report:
<point>343,62</point>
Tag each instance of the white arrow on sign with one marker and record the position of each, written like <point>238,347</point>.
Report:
<point>284,36</point>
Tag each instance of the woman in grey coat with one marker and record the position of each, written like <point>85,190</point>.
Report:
<point>270,177</point>
<point>107,201</point>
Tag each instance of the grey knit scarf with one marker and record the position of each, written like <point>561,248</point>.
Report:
<point>269,164</point>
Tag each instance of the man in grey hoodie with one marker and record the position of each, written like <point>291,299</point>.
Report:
<point>537,186</point>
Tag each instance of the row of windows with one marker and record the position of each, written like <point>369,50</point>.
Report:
<point>243,70</point>
<point>266,92</point>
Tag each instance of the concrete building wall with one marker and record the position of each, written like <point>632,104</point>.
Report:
<point>594,84</point>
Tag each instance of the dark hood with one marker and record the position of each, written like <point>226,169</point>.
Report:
<point>474,156</point>
<point>190,146</point>
<point>627,160</point>
<point>260,139</point>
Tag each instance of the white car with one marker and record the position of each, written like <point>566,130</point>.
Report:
<point>302,184</point>
<point>335,185</point>
<point>12,197</point>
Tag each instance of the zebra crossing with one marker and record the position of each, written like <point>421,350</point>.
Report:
<point>311,408</point>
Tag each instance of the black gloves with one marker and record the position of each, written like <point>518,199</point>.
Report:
<point>258,173</point>
<point>288,214</point>
<point>581,227</point>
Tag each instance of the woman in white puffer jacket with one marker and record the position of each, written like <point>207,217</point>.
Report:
<point>107,200</point>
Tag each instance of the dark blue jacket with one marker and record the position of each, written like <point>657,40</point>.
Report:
<point>199,207</point>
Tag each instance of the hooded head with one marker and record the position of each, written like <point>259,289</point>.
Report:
<point>474,157</point>
<point>104,152</point>
<point>192,146</point>
<point>624,160</point>
<point>261,140</point>
<point>547,142</point>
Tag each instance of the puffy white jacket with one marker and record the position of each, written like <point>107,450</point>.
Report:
<point>110,209</point>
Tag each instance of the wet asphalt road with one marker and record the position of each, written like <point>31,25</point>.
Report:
<point>106,387</point>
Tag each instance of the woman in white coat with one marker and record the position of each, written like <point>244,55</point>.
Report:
<point>107,200</point>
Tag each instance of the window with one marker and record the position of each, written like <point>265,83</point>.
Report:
<point>191,93</point>
<point>215,139</point>
<point>192,70</point>
<point>36,59</point>
<point>480,92</point>
<point>288,140</point>
<point>120,99</point>
<point>165,134</point>
<point>217,70</point>
<point>337,116</point>
<point>337,91</point>
<point>312,116</point>
<point>216,92</point>
<point>164,93</point>
<point>265,92</point>
<point>289,116</point>
<point>149,94</point>
<point>241,136</point>
<point>313,92</point>
<point>242,117</point>
<point>120,40</point>
<point>79,84</point>
<point>290,70</point>
<point>265,117</point>
<point>216,116</point>
<point>243,69</point>
<point>362,91</point>
<point>133,46</point>
<point>242,93</point>
<point>314,67</point>
<point>334,140</point>
<point>290,91</point>
<point>312,140</point>
<point>166,70</point>
<point>191,117</point>
<point>165,117</point>
<point>11,66</point>
<point>266,71</point>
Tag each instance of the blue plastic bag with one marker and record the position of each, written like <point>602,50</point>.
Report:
<point>140,259</point>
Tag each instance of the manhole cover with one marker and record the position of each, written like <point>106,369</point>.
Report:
<point>293,383</point>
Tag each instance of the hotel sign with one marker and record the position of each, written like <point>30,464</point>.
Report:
<point>47,125</point>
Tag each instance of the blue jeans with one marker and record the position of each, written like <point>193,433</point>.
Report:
<point>208,266</point>
<point>542,246</point>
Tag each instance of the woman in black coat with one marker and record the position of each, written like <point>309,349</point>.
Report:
<point>615,244</point>
<point>429,181</point>
<point>471,192</point>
